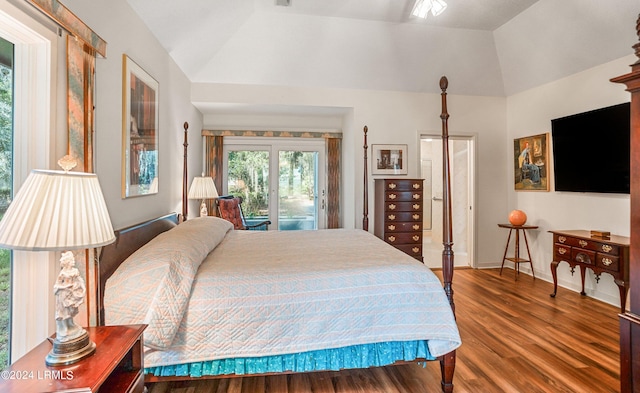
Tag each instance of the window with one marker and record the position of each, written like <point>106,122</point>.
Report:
<point>6,191</point>
<point>278,179</point>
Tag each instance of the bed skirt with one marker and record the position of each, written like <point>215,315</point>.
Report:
<point>355,356</point>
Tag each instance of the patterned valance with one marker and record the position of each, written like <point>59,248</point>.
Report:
<point>274,134</point>
<point>71,23</point>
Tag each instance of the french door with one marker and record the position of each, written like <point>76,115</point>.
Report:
<point>279,179</point>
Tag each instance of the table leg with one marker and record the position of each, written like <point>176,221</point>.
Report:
<point>504,256</point>
<point>554,273</point>
<point>583,272</point>
<point>526,242</point>
<point>624,288</point>
<point>517,255</point>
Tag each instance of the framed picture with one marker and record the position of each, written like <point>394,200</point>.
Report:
<point>139,131</point>
<point>389,160</point>
<point>531,163</point>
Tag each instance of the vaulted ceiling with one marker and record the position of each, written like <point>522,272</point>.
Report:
<point>489,47</point>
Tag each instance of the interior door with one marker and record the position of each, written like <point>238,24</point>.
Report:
<point>461,153</point>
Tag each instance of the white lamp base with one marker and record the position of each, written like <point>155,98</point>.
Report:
<point>70,351</point>
<point>203,209</point>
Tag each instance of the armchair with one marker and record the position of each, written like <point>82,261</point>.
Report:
<point>230,209</point>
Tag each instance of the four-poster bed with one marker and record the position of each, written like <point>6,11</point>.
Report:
<point>170,276</point>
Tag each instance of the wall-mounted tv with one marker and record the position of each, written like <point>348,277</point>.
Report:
<point>591,150</point>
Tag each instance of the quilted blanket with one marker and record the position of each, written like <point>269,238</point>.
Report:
<point>262,293</point>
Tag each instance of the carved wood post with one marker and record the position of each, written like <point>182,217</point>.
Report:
<point>185,205</point>
<point>447,238</point>
<point>630,320</point>
<point>365,219</point>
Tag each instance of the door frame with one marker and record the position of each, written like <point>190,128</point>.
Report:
<point>472,187</point>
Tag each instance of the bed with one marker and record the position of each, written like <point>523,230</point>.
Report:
<point>295,301</point>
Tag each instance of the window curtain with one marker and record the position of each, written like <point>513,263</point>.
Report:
<point>213,167</point>
<point>83,44</point>
<point>81,62</point>
<point>334,152</point>
<point>213,161</point>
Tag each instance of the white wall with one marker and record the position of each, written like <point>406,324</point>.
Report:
<point>530,113</point>
<point>125,33</point>
<point>392,117</point>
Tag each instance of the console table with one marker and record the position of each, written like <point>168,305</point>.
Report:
<point>602,255</point>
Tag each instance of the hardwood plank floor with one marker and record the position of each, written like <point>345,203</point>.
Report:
<point>515,338</point>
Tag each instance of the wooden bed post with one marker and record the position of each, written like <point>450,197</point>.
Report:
<point>448,361</point>
<point>630,318</point>
<point>365,219</point>
<point>185,205</point>
<point>447,238</point>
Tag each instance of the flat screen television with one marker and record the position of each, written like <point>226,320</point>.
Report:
<point>591,150</point>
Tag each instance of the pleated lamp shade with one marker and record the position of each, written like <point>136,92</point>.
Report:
<point>57,211</point>
<point>202,188</point>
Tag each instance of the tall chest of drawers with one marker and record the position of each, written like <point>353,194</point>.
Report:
<point>398,214</point>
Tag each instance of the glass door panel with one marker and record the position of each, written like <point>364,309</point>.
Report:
<point>297,190</point>
<point>248,177</point>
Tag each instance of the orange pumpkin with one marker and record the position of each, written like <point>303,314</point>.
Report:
<point>517,217</point>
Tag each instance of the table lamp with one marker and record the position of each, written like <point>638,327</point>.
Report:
<point>203,188</point>
<point>60,211</point>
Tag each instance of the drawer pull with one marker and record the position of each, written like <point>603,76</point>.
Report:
<point>416,206</point>
<point>392,239</point>
<point>606,248</point>
<point>415,250</point>
<point>416,238</point>
<point>392,186</point>
<point>391,217</point>
<point>583,243</point>
<point>562,239</point>
<point>392,206</point>
<point>607,261</point>
<point>562,251</point>
<point>393,196</point>
<point>416,186</point>
<point>416,216</point>
<point>392,227</point>
<point>416,196</point>
<point>416,227</point>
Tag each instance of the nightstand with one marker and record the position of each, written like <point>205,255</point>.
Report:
<point>116,366</point>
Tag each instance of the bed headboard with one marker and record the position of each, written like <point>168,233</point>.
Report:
<point>128,240</point>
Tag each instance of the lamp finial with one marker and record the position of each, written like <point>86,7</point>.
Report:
<point>67,163</point>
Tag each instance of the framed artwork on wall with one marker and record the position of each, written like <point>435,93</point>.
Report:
<point>389,160</point>
<point>139,131</point>
<point>531,163</point>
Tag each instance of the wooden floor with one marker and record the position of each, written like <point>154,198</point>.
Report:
<point>515,338</point>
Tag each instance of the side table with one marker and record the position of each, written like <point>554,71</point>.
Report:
<point>117,366</point>
<point>516,258</point>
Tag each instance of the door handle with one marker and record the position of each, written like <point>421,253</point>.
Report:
<point>436,199</point>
